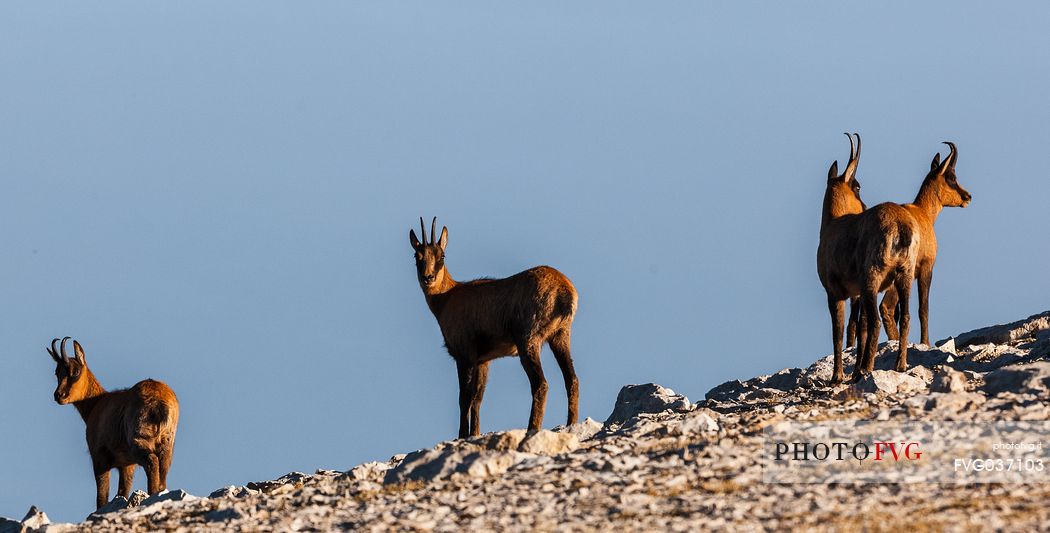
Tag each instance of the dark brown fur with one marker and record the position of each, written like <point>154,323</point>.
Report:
<point>125,428</point>
<point>861,253</point>
<point>485,319</point>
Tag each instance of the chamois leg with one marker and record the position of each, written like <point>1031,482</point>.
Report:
<point>101,484</point>
<point>837,309</point>
<point>559,344</point>
<point>466,393</point>
<point>862,339</point>
<point>126,478</point>
<point>151,464</point>
<point>479,378</point>
<point>165,465</point>
<point>851,324</point>
<point>925,278</point>
<point>888,312</point>
<point>870,300</point>
<point>529,354</point>
<point>903,283</point>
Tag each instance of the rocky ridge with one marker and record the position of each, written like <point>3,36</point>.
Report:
<point>659,461</point>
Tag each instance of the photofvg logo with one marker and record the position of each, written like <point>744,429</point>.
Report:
<point>905,452</point>
<point>879,450</point>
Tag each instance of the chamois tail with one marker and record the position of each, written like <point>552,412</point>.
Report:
<point>159,416</point>
<point>905,239</point>
<point>566,302</point>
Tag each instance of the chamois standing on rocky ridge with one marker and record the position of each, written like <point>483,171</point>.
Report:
<point>847,206</point>
<point>485,319</point>
<point>863,252</point>
<point>125,428</point>
<point>939,189</point>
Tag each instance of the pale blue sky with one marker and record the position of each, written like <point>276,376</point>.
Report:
<point>218,196</point>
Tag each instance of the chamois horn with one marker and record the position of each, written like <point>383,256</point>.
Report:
<point>54,351</point>
<point>953,156</point>
<point>854,158</point>
<point>63,346</point>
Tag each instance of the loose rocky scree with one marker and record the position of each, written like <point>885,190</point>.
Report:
<point>659,462</point>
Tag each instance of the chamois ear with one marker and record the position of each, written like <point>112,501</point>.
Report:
<point>936,162</point>
<point>443,241</point>
<point>79,352</point>
<point>412,239</point>
<point>833,172</point>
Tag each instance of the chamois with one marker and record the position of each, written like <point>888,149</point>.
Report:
<point>849,207</point>
<point>125,428</point>
<point>863,252</point>
<point>939,189</point>
<point>485,319</point>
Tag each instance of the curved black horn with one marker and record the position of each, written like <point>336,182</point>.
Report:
<point>63,345</point>
<point>433,229</point>
<point>54,350</point>
<point>423,231</point>
<point>949,162</point>
<point>851,166</point>
<point>851,148</point>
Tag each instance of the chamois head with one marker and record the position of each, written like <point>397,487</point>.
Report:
<point>943,181</point>
<point>72,374</point>
<point>430,257</point>
<point>843,192</point>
